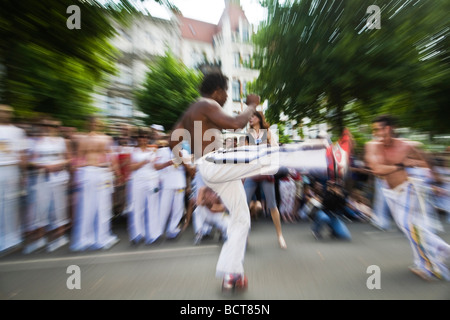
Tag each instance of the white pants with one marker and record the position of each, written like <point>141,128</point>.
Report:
<point>10,228</point>
<point>204,219</point>
<point>408,210</point>
<point>171,210</point>
<point>48,204</point>
<point>382,215</point>
<point>143,218</point>
<point>93,209</point>
<point>225,180</point>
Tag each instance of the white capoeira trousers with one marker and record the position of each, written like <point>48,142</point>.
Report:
<point>143,218</point>
<point>222,171</point>
<point>48,201</point>
<point>204,219</point>
<point>171,210</point>
<point>225,180</point>
<point>408,210</point>
<point>10,226</point>
<point>93,209</point>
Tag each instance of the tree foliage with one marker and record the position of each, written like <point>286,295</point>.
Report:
<point>319,60</point>
<point>170,87</point>
<point>45,67</point>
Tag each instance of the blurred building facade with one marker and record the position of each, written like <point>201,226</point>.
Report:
<point>197,44</point>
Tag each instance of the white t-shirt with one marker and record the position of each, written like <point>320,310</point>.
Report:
<point>170,177</point>
<point>147,171</point>
<point>49,150</point>
<point>12,142</point>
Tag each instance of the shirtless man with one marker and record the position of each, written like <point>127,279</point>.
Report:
<point>388,157</point>
<point>203,117</point>
<point>94,178</point>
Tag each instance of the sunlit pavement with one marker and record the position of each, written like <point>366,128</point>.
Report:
<point>176,269</point>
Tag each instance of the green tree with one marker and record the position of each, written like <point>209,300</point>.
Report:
<point>315,57</point>
<point>45,67</point>
<point>170,87</point>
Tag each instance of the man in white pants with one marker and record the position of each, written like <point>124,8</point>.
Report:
<point>388,157</point>
<point>12,145</point>
<point>173,186</point>
<point>204,114</point>
<point>223,171</point>
<point>94,178</point>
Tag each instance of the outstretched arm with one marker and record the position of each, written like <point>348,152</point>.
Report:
<point>222,120</point>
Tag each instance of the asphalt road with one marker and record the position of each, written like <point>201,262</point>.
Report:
<point>307,270</point>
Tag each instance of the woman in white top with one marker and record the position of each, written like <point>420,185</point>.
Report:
<point>49,215</point>
<point>143,219</point>
<point>259,133</point>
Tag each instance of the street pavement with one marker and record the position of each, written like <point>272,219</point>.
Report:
<point>374,265</point>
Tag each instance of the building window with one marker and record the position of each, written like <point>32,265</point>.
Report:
<point>247,61</point>
<point>245,34</point>
<point>111,109</point>
<point>125,75</point>
<point>237,60</point>
<point>125,107</point>
<point>236,90</point>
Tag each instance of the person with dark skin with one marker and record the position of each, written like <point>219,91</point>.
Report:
<point>387,157</point>
<point>201,125</point>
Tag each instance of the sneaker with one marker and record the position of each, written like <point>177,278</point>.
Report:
<point>35,245</point>
<point>57,243</point>
<point>111,243</point>
<point>198,238</point>
<point>234,284</point>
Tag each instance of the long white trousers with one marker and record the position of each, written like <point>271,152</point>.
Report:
<point>171,210</point>
<point>225,180</point>
<point>143,218</point>
<point>48,201</point>
<point>93,210</point>
<point>10,228</point>
<point>408,210</point>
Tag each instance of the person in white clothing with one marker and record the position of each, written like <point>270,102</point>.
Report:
<point>12,160</point>
<point>173,186</point>
<point>388,157</point>
<point>210,212</point>
<point>48,214</point>
<point>94,180</point>
<point>208,115</point>
<point>144,218</point>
